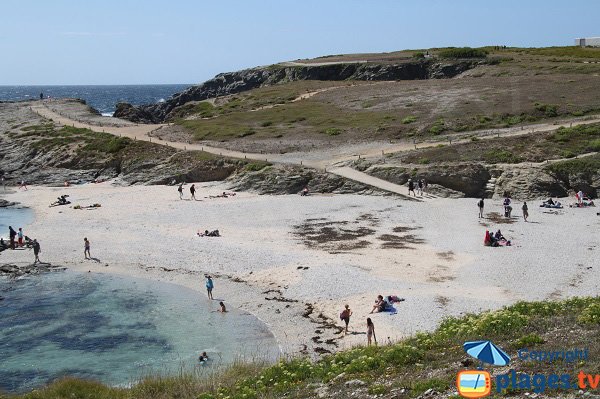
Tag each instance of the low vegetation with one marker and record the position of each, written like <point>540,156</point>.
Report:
<point>561,143</point>
<point>462,52</point>
<point>405,369</point>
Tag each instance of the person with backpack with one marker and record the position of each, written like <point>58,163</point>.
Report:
<point>480,205</point>
<point>345,317</point>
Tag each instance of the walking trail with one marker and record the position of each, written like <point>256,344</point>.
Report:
<point>332,161</point>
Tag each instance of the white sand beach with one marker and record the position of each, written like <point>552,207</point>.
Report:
<point>267,264</point>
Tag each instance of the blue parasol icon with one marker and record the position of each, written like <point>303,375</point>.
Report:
<point>487,352</point>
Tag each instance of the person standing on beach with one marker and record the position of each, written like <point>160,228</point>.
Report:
<point>86,248</point>
<point>23,185</point>
<point>371,332</point>
<point>12,234</point>
<point>420,187</point>
<point>193,192</point>
<point>480,204</point>
<point>180,189</point>
<point>209,286</point>
<point>345,316</point>
<point>20,236</point>
<point>36,251</point>
<point>525,211</point>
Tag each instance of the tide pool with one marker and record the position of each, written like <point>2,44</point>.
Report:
<point>115,330</point>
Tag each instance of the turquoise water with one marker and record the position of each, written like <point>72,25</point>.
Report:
<point>115,330</point>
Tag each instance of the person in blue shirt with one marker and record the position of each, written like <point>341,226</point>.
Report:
<point>209,286</point>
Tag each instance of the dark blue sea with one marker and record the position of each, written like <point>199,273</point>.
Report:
<point>102,98</point>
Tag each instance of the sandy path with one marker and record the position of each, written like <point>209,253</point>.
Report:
<point>322,160</point>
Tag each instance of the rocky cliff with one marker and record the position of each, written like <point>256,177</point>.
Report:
<point>248,79</point>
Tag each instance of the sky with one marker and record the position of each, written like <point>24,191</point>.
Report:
<point>189,41</point>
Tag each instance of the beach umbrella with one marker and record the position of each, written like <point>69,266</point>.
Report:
<point>487,352</point>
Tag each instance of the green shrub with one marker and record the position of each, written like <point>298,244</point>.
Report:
<point>549,110</point>
<point>463,52</point>
<point>591,314</point>
<point>489,323</point>
<point>332,131</point>
<point>529,340</point>
<point>266,123</point>
<point>438,127</point>
<point>255,167</point>
<point>409,119</point>
<point>594,145</point>
<point>377,389</point>
<point>501,156</point>
<point>418,55</point>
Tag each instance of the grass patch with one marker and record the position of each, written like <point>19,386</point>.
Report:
<point>422,362</point>
<point>409,119</point>
<point>463,52</point>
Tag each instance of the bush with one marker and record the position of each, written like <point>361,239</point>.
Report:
<point>332,131</point>
<point>255,167</point>
<point>591,314</point>
<point>418,55</point>
<point>409,119</point>
<point>463,52</point>
<point>266,124</point>
<point>501,156</point>
<point>438,127</point>
<point>549,110</point>
<point>529,340</point>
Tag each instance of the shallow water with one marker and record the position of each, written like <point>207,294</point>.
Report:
<point>115,330</point>
<point>15,217</point>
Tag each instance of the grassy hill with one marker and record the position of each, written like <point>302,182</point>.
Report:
<point>512,87</point>
<point>425,362</point>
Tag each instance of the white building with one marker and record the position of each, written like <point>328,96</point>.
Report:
<point>588,41</point>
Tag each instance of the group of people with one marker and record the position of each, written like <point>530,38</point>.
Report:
<point>506,203</point>
<point>19,239</point>
<point>582,200</point>
<point>210,285</point>
<point>420,185</point>
<point>495,239</point>
<point>345,317</point>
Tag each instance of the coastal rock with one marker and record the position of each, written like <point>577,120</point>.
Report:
<point>131,113</point>
<point>467,178</point>
<point>235,82</point>
<point>287,179</point>
<point>5,204</point>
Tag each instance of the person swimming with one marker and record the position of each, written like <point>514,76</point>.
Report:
<point>203,357</point>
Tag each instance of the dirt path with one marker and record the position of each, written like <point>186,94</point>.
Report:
<point>327,161</point>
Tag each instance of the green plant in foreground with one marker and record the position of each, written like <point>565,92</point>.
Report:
<point>409,119</point>
<point>332,131</point>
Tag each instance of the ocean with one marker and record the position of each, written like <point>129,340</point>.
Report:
<point>103,98</point>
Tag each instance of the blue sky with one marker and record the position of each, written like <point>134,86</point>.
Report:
<point>187,41</point>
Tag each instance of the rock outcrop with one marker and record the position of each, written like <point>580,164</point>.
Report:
<point>248,79</point>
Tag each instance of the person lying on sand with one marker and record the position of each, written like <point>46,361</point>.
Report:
<point>87,207</point>
<point>224,195</point>
<point>214,233</point>
<point>380,305</point>
<point>62,200</point>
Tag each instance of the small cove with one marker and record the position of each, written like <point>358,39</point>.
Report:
<point>115,330</point>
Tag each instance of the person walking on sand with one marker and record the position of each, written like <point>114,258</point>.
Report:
<point>23,185</point>
<point>420,187</point>
<point>480,205</point>
<point>86,248</point>
<point>180,189</point>
<point>36,251</point>
<point>12,234</point>
<point>525,211</point>
<point>20,236</point>
<point>209,286</point>
<point>371,332</point>
<point>411,187</point>
<point>345,316</point>
<point>193,192</point>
